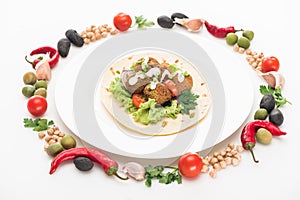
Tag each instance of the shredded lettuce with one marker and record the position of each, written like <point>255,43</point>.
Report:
<point>122,95</point>
<point>173,110</point>
<point>148,113</point>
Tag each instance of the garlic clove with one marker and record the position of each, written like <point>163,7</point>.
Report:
<point>274,79</point>
<point>190,24</point>
<point>134,170</point>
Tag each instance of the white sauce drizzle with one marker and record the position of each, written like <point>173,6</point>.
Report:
<point>153,72</point>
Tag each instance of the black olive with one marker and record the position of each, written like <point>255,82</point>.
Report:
<point>267,102</point>
<point>179,16</point>
<point>276,117</point>
<point>165,21</point>
<point>63,47</point>
<point>74,37</point>
<point>83,163</point>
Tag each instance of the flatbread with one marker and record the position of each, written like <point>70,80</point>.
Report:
<point>167,126</point>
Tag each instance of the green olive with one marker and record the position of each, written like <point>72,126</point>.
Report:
<point>231,38</point>
<point>29,78</point>
<point>54,149</point>
<point>263,136</point>
<point>68,142</point>
<point>28,90</point>
<point>243,42</point>
<point>41,84</point>
<point>261,114</point>
<point>248,34</point>
<point>41,92</point>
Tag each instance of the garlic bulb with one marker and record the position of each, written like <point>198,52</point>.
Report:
<point>274,79</point>
<point>134,170</point>
<point>190,24</point>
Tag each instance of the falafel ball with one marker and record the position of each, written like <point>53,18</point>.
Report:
<point>160,94</point>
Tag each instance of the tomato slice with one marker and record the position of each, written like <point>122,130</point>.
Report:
<point>269,64</point>
<point>137,100</point>
<point>190,165</point>
<point>172,87</point>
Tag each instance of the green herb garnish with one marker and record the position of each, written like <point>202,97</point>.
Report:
<point>38,124</point>
<point>162,177</point>
<point>142,22</point>
<point>187,100</point>
<point>279,99</point>
<point>118,72</point>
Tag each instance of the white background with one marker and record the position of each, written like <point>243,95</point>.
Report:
<point>24,166</point>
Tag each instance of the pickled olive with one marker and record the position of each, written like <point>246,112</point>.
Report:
<point>276,117</point>
<point>83,163</point>
<point>74,37</point>
<point>231,38</point>
<point>41,84</point>
<point>63,47</point>
<point>267,102</point>
<point>178,16</point>
<point>29,78</point>
<point>165,21</point>
<point>263,136</point>
<point>54,149</point>
<point>243,42</point>
<point>41,91</point>
<point>28,90</point>
<point>248,34</point>
<point>261,114</point>
<point>68,142</point>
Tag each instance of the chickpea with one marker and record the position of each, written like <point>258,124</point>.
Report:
<point>213,173</point>
<point>213,161</point>
<point>223,164</point>
<point>228,160</point>
<point>217,166</point>
<point>86,41</point>
<point>205,169</point>
<point>104,34</point>
<point>220,158</point>
<point>231,146</point>
<point>41,135</point>
<point>239,148</point>
<point>234,161</point>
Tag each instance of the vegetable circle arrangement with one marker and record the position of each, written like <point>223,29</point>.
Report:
<point>62,147</point>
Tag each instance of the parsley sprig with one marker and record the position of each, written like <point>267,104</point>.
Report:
<point>276,92</point>
<point>38,124</point>
<point>158,173</point>
<point>188,101</point>
<point>142,22</point>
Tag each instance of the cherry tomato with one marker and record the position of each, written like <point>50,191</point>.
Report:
<point>137,100</point>
<point>269,64</point>
<point>122,21</point>
<point>190,165</point>
<point>37,105</point>
<point>172,87</point>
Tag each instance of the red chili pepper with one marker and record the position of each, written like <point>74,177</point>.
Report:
<point>110,166</point>
<point>219,32</point>
<point>248,133</point>
<point>53,53</point>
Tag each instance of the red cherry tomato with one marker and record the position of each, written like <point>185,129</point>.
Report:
<point>122,21</point>
<point>37,105</point>
<point>137,100</point>
<point>172,87</point>
<point>269,64</point>
<point>190,165</point>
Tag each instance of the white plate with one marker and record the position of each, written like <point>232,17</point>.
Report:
<point>82,74</point>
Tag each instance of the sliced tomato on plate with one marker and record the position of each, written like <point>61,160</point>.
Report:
<point>172,87</point>
<point>137,100</point>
